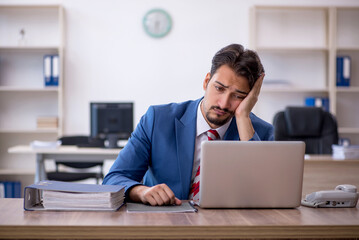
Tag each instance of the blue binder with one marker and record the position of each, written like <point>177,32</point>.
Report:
<point>55,70</point>
<point>51,70</point>
<point>322,102</point>
<point>16,190</point>
<point>343,71</point>
<point>9,192</point>
<point>47,70</point>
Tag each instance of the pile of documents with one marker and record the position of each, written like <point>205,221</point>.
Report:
<point>345,152</point>
<point>55,195</point>
<point>45,144</point>
<point>47,122</point>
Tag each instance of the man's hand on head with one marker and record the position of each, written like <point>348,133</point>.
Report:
<point>246,106</point>
<point>159,195</point>
<point>244,124</point>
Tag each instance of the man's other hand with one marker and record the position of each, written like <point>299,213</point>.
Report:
<point>157,195</point>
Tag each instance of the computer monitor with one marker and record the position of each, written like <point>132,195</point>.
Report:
<point>111,122</point>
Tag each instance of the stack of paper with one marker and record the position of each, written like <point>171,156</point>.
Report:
<point>73,196</point>
<point>47,122</point>
<point>57,200</point>
<point>45,144</point>
<point>345,152</point>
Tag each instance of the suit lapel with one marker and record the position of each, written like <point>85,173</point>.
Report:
<point>185,139</point>
<point>232,131</point>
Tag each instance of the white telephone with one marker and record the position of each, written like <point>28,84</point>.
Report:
<point>344,195</point>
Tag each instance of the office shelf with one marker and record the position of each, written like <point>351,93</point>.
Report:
<point>291,49</point>
<point>17,172</point>
<point>269,89</point>
<point>27,33</point>
<point>28,89</point>
<point>299,45</point>
<point>348,130</point>
<point>348,48</point>
<point>30,131</point>
<point>27,48</point>
<point>348,89</point>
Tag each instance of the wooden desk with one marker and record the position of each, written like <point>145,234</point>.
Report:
<point>320,173</point>
<point>303,222</point>
<point>64,153</point>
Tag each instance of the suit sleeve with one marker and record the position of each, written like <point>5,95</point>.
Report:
<point>134,159</point>
<point>263,131</point>
<point>267,137</point>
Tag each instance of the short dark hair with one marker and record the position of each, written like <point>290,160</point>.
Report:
<point>243,62</point>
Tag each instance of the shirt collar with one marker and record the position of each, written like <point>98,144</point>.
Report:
<point>203,127</point>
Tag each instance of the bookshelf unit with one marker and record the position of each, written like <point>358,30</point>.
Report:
<point>298,47</point>
<point>27,33</point>
<point>347,98</point>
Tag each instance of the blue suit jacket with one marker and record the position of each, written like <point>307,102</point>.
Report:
<point>161,149</point>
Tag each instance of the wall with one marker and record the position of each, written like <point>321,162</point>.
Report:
<point>108,56</point>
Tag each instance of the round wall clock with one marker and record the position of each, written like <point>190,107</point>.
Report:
<point>157,23</point>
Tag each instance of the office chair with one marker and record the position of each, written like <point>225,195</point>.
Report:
<point>59,175</point>
<point>316,127</point>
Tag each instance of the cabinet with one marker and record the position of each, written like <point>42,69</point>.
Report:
<point>27,33</point>
<point>347,98</point>
<point>298,47</point>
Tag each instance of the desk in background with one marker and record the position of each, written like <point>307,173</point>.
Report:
<point>64,153</point>
<point>321,172</point>
<point>303,222</point>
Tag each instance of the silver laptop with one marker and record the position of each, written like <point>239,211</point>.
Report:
<point>237,174</point>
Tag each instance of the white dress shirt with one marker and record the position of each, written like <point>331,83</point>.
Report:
<point>201,135</point>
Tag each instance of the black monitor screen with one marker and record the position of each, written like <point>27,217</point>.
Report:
<point>111,119</point>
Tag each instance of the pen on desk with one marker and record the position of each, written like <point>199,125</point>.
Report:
<point>191,203</point>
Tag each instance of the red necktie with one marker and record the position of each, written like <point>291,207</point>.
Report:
<point>194,192</point>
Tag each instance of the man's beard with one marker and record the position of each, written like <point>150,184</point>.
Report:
<point>218,121</point>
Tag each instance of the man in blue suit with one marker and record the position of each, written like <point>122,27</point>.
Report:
<point>158,164</point>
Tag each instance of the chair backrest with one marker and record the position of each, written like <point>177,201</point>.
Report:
<point>77,140</point>
<point>316,127</point>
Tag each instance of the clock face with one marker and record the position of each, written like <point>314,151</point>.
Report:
<point>157,23</point>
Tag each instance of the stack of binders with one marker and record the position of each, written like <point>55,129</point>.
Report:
<point>51,70</point>
<point>322,102</point>
<point>10,189</point>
